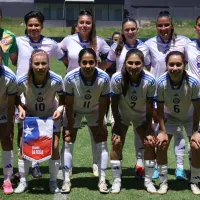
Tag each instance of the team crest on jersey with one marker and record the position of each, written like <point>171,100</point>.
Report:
<point>39,99</point>
<point>134,98</point>
<point>198,61</point>
<point>4,41</point>
<point>176,100</point>
<point>88,96</point>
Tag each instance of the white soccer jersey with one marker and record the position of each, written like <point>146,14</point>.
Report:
<point>134,103</point>
<point>8,84</point>
<point>112,57</point>
<point>86,95</point>
<point>178,101</point>
<point>40,101</point>
<point>159,49</point>
<point>73,44</point>
<point>193,57</point>
<point>26,46</point>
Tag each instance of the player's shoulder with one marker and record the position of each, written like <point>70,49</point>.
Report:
<point>73,75</point>
<point>55,77</point>
<point>102,74</point>
<point>117,77</point>
<point>162,79</point>
<point>148,77</point>
<point>7,72</point>
<point>151,40</point>
<point>192,78</point>
<point>9,32</point>
<point>22,79</point>
<point>49,40</point>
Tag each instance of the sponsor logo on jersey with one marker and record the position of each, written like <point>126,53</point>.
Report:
<point>88,96</point>
<point>40,93</point>
<point>176,95</point>
<point>40,99</point>
<point>176,100</point>
<point>88,91</point>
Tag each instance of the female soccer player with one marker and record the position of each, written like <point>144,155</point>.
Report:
<point>178,107</point>
<point>34,21</point>
<point>7,109</point>
<point>87,94</point>
<point>85,38</point>
<point>128,40</point>
<point>132,92</point>
<point>44,84</point>
<point>159,47</point>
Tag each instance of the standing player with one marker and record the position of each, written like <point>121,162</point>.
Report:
<point>41,83</point>
<point>128,40</point>
<point>8,44</point>
<point>159,47</point>
<point>178,108</point>
<point>26,44</point>
<point>133,91</point>
<point>85,38</point>
<point>87,94</point>
<point>7,109</point>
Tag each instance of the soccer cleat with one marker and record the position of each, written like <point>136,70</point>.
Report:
<point>195,189</point>
<point>163,188</point>
<point>53,187</point>
<point>180,174</point>
<point>116,186</point>
<point>150,187</point>
<point>36,172</point>
<point>103,187</point>
<point>66,187</point>
<point>139,172</point>
<point>155,174</point>
<point>22,187</point>
<point>7,187</point>
<point>95,170</point>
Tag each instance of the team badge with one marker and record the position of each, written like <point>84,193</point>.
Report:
<point>134,98</point>
<point>39,99</point>
<point>176,100</point>
<point>88,96</point>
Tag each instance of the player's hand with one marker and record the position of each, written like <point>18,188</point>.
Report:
<point>22,114</point>
<point>56,115</point>
<point>116,141</point>
<point>162,140</point>
<point>149,141</point>
<point>69,135</point>
<point>196,139</point>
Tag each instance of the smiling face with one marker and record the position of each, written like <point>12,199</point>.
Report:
<point>134,65</point>
<point>84,25</point>
<point>175,67</point>
<point>164,27</point>
<point>34,28</point>
<point>130,30</point>
<point>40,64</point>
<point>197,28</point>
<point>87,64</point>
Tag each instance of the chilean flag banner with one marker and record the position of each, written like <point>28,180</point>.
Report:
<point>37,138</point>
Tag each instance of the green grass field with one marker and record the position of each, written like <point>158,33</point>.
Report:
<point>84,185</point>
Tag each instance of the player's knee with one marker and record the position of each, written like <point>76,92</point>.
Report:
<point>194,146</point>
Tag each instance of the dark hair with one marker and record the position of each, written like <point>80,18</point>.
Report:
<point>122,39</point>
<point>92,36</point>
<point>125,75</point>
<point>73,29</point>
<point>30,71</point>
<point>197,19</point>
<point>84,51</point>
<point>115,33</point>
<point>34,14</point>
<point>166,14</point>
<point>1,12</point>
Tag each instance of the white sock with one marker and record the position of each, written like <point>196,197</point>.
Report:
<point>94,148</point>
<point>163,173</point>
<point>195,175</point>
<point>149,166</point>
<point>116,169</point>
<point>7,162</point>
<point>189,154</point>
<point>23,167</point>
<point>67,160</point>
<point>53,169</point>
<point>156,127</point>
<point>179,149</point>
<point>62,155</point>
<point>35,164</point>
<point>102,158</point>
<point>139,150</point>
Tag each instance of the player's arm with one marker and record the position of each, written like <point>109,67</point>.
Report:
<point>105,64</point>
<point>103,104</point>
<point>196,116</point>
<point>69,101</point>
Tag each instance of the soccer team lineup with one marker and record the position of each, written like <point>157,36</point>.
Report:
<point>151,86</point>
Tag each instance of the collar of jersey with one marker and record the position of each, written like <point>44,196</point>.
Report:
<point>82,41</point>
<point>83,78</point>
<point>140,78</point>
<point>133,47</point>
<point>39,41</point>
<point>34,83</point>
<point>164,41</point>
<point>171,83</point>
<point>198,43</point>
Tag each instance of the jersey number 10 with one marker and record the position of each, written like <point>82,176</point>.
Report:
<point>39,106</point>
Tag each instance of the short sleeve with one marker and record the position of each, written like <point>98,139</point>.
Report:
<point>151,89</point>
<point>106,88</point>
<point>160,93</point>
<point>104,47</point>
<point>60,88</point>
<point>195,92</point>
<point>112,55</point>
<point>63,44</point>
<point>115,86</point>
<point>68,86</point>
<point>58,52</point>
<point>12,87</point>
